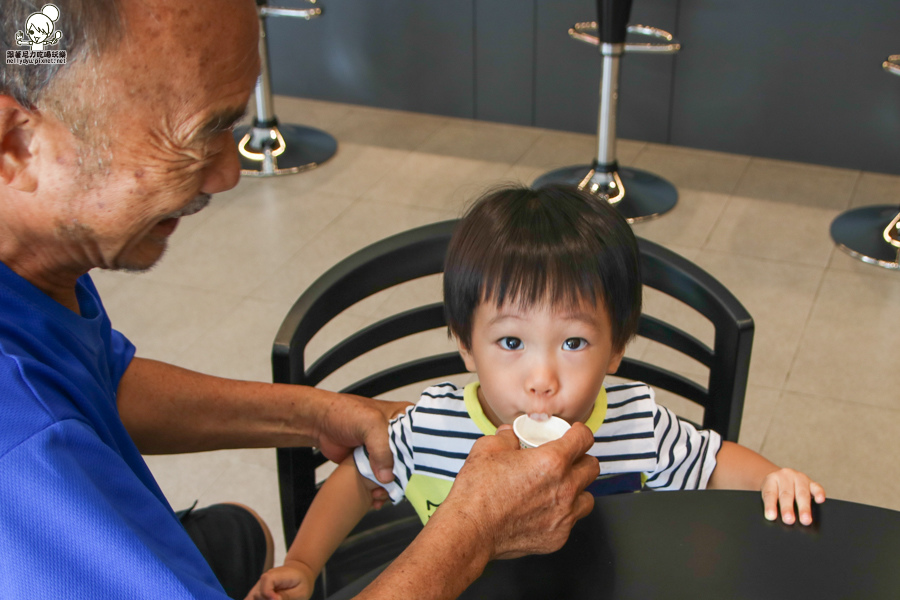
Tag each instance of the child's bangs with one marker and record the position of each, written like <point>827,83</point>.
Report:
<point>564,282</point>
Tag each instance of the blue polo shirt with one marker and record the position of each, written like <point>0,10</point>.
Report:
<point>81,516</point>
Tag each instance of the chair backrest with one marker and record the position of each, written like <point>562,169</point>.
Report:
<point>384,264</point>
<point>420,252</point>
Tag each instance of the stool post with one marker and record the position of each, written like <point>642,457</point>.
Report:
<point>267,147</point>
<point>637,195</point>
<point>265,106</point>
<point>609,100</point>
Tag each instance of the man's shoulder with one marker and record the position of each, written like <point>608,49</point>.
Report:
<point>25,414</point>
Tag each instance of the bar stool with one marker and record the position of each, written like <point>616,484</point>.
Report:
<point>872,233</point>
<point>267,147</point>
<point>638,195</point>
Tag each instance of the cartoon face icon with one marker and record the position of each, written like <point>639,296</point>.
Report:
<point>39,28</point>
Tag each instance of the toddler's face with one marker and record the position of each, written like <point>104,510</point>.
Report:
<point>543,359</point>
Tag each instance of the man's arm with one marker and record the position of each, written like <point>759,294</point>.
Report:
<point>168,410</point>
<point>505,502</point>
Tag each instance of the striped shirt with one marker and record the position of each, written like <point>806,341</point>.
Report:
<point>632,435</point>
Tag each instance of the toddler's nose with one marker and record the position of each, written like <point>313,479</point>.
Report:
<point>542,381</point>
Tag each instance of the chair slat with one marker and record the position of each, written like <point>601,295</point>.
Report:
<point>387,330</point>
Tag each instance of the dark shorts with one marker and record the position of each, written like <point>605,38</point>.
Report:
<point>232,542</point>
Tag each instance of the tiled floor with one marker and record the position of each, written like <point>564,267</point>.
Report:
<point>824,393</point>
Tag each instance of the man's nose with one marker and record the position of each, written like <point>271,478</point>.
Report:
<point>224,171</point>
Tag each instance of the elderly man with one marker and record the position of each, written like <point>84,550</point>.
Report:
<point>99,159</point>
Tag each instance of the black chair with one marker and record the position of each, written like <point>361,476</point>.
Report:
<point>420,252</point>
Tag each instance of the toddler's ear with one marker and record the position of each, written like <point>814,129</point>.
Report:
<point>466,355</point>
<point>615,359</point>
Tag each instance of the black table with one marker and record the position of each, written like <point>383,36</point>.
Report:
<point>708,544</point>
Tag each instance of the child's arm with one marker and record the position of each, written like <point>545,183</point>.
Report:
<point>342,502</point>
<point>739,468</point>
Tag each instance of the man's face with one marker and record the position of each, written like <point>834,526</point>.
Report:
<point>162,138</point>
<point>541,359</point>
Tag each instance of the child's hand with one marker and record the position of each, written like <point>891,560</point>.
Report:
<point>783,488</point>
<point>293,581</point>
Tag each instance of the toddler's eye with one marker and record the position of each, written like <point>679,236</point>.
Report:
<point>510,343</point>
<point>574,344</point>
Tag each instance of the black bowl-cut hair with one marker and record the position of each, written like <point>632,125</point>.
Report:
<point>554,245</point>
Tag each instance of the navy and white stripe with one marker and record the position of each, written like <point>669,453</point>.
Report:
<point>435,436</point>
<point>638,435</point>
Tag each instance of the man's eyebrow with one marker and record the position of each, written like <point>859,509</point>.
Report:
<point>222,121</point>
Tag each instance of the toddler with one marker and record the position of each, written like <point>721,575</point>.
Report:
<point>542,292</point>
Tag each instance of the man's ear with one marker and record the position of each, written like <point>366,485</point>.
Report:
<point>16,130</point>
<point>466,356</point>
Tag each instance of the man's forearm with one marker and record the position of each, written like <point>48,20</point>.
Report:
<point>167,410</point>
<point>443,560</point>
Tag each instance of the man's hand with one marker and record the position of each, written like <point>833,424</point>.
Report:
<point>351,421</point>
<point>524,501</point>
<point>783,488</point>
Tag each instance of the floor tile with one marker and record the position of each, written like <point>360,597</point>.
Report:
<point>760,406</point>
<point>363,224</point>
<point>686,169</point>
<point>479,140</point>
<point>850,346</point>
<point>775,230</point>
<point>239,345</point>
<point>843,445</point>
<point>797,183</point>
<point>238,248</point>
<point>438,181</point>
<point>307,112</point>
<point>876,188</point>
<point>779,296</point>
<point>394,129</point>
<point>690,223</point>
<point>351,173</point>
<point>164,320</point>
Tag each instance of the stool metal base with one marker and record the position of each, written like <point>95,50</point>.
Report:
<point>860,233</point>
<point>304,148</point>
<point>646,195</point>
